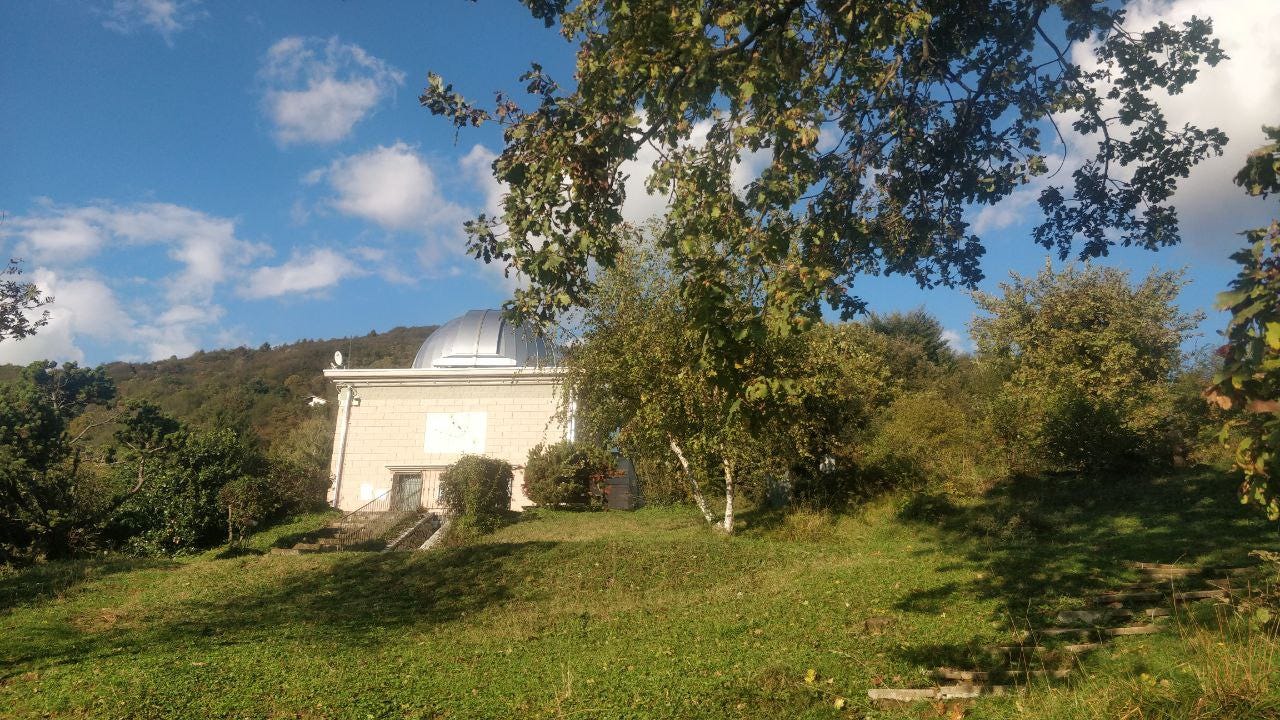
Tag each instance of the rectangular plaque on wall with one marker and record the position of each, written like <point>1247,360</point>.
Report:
<point>455,432</point>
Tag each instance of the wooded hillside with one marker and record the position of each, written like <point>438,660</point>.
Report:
<point>263,390</point>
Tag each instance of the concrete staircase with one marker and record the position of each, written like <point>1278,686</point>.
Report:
<point>1052,652</point>
<point>370,531</point>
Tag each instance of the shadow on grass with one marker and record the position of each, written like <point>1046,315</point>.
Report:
<point>1061,536</point>
<point>26,585</point>
<point>348,598</point>
<point>1042,543</point>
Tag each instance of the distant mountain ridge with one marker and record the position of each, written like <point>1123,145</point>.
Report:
<point>264,390</point>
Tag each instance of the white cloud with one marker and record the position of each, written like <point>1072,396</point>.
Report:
<point>179,330</point>
<point>171,309</point>
<point>1010,211</point>
<point>477,166</point>
<point>82,306</point>
<point>166,17</point>
<point>64,238</point>
<point>1238,96</point>
<point>392,186</point>
<point>55,341</point>
<point>205,245</point>
<point>397,189</point>
<point>316,90</point>
<point>957,340</point>
<point>301,274</point>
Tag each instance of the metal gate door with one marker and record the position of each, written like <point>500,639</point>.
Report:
<point>406,492</point>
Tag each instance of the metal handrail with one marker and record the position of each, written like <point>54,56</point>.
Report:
<point>367,506</point>
<point>379,519</point>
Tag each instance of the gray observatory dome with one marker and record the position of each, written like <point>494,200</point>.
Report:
<point>482,339</point>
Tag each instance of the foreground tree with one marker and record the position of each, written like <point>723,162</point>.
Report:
<point>18,301</point>
<point>1087,359</point>
<point>42,503</point>
<point>636,389</point>
<point>1248,385</point>
<point>877,126</point>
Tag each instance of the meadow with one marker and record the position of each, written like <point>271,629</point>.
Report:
<point>650,614</point>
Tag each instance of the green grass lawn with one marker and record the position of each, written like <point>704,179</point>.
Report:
<point>642,614</point>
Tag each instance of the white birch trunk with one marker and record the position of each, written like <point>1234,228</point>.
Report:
<point>728,497</point>
<point>693,482</point>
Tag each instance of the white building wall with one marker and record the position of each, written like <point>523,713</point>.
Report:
<point>387,427</point>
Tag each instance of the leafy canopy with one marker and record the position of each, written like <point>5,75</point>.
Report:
<point>879,125</point>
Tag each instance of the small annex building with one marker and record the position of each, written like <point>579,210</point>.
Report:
<point>478,385</point>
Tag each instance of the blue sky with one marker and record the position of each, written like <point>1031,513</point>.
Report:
<point>183,175</point>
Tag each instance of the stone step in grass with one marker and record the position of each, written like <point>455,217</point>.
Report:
<point>1059,632</point>
<point>983,676</point>
<point>1166,571</point>
<point>1095,618</point>
<point>1087,617</point>
<point>1201,595</point>
<point>1123,598</point>
<point>945,692</point>
<point>314,548</point>
<point>1132,630</point>
<point>1092,632</point>
<point>1029,650</point>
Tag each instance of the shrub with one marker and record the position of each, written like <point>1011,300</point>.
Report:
<point>478,490</point>
<point>1088,434</point>
<point>565,473</point>
<point>299,487</point>
<point>1087,357</point>
<point>931,439</point>
<point>658,482</point>
<point>177,510</point>
<point>247,501</point>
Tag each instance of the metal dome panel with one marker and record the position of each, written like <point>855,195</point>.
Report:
<point>482,339</point>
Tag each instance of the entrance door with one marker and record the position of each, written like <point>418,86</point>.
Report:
<point>406,492</point>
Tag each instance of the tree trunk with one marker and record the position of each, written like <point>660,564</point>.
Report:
<point>693,482</point>
<point>729,491</point>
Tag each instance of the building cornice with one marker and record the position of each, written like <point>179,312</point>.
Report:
<point>370,377</point>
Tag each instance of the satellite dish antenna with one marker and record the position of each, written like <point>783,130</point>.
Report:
<point>337,358</point>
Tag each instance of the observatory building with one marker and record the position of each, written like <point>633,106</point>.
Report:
<point>479,385</point>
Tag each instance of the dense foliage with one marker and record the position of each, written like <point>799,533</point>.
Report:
<point>1087,360</point>
<point>1248,385</point>
<point>566,473</point>
<point>169,456</point>
<point>478,490</point>
<point>915,328</point>
<point>177,508</point>
<point>46,494</point>
<point>1077,369</point>
<point>158,486</point>
<point>936,437</point>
